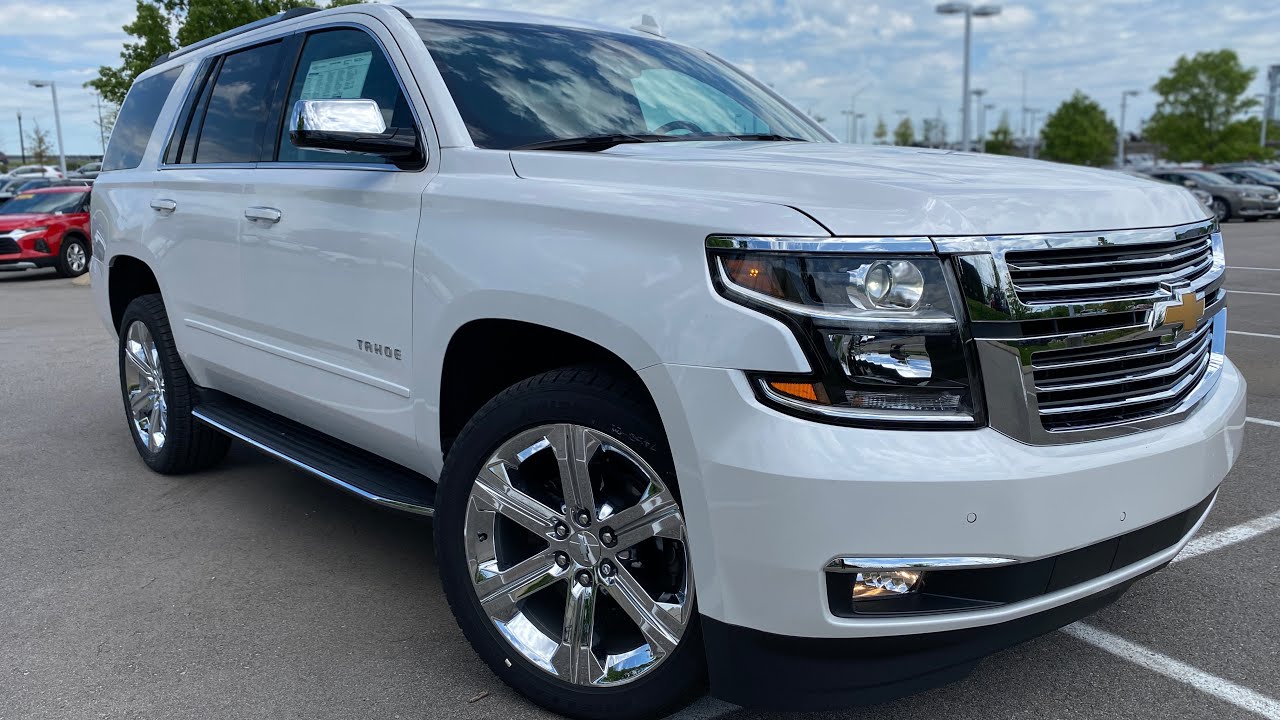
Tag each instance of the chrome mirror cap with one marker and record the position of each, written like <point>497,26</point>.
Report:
<point>344,116</point>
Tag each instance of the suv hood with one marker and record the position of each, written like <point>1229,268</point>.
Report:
<point>861,190</point>
<point>24,220</point>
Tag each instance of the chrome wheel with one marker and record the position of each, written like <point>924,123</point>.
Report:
<point>76,258</point>
<point>577,554</point>
<point>144,387</point>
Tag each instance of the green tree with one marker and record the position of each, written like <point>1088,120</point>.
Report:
<point>162,26</point>
<point>881,133</point>
<point>38,145</point>
<point>1079,132</point>
<point>1000,142</point>
<point>1202,103</point>
<point>905,133</point>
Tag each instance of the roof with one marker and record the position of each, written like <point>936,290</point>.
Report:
<point>448,12</point>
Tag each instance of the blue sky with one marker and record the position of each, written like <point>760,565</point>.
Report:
<point>899,55</point>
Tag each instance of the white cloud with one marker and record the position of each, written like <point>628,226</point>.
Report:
<point>818,52</point>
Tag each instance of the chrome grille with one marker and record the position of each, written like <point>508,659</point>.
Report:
<point>1093,335</point>
<point>1117,382</point>
<point>1107,272</point>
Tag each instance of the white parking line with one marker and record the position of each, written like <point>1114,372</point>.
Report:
<point>1251,334</point>
<point>1260,421</point>
<point>1242,267</point>
<point>1230,536</point>
<point>1253,292</point>
<point>1241,697</point>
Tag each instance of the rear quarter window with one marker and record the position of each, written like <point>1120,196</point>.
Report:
<point>137,119</point>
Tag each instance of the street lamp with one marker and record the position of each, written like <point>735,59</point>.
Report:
<point>1124,104</point>
<point>969,11</point>
<point>57,119</point>
<point>22,142</point>
<point>1034,139</point>
<point>857,128</point>
<point>982,126</point>
<point>982,119</point>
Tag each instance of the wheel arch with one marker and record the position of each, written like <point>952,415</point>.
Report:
<point>127,278</point>
<point>479,363</point>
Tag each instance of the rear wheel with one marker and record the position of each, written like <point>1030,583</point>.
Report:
<point>73,257</point>
<point>158,395</point>
<point>563,552</point>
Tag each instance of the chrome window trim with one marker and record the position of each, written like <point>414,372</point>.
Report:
<point>860,564</point>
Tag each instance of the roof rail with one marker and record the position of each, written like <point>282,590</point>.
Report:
<point>278,17</point>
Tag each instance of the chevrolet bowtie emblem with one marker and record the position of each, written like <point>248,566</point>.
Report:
<point>1180,314</point>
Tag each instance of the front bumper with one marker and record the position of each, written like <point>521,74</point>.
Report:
<point>770,499</point>
<point>1257,208</point>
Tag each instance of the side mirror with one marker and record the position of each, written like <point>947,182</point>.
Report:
<point>350,126</point>
<point>1190,183</point>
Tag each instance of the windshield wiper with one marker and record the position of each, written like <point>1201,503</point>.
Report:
<point>771,137</point>
<point>593,143</point>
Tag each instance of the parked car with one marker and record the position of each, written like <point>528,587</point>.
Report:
<point>1250,175</point>
<point>1203,197</point>
<point>21,185</point>
<point>1230,200</point>
<point>88,170</point>
<point>690,389</point>
<point>33,171</point>
<point>48,227</point>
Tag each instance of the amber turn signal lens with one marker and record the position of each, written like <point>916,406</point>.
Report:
<point>752,274</point>
<point>804,391</point>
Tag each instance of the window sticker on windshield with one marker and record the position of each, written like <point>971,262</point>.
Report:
<point>340,78</point>
<point>28,196</point>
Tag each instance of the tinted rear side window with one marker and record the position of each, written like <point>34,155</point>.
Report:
<point>137,119</point>
<point>238,106</point>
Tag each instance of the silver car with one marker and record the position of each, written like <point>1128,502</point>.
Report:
<point>1230,200</point>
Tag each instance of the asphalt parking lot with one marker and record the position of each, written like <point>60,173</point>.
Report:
<point>255,591</point>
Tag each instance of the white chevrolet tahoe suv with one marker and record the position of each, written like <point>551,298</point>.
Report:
<point>695,395</point>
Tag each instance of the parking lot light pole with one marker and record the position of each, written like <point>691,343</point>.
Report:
<point>1124,104</point>
<point>982,121</point>
<point>22,142</point>
<point>969,11</point>
<point>57,120</point>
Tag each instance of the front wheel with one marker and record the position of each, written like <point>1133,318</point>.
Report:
<point>562,549</point>
<point>73,257</point>
<point>1221,209</point>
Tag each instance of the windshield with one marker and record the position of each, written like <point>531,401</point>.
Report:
<point>1208,178</point>
<point>516,84</point>
<point>40,203</point>
<point>1263,175</point>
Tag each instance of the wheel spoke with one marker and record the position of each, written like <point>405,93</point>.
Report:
<point>140,401</point>
<point>655,516</point>
<point>500,590</point>
<point>494,490</point>
<point>574,447</point>
<point>661,624</point>
<point>132,354</point>
<point>574,660</point>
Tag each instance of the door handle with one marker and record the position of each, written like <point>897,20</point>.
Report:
<point>265,214</point>
<point>162,205</point>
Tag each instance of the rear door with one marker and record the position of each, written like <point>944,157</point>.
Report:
<point>327,255</point>
<point>197,202</point>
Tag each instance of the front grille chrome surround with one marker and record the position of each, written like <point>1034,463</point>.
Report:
<point>1087,336</point>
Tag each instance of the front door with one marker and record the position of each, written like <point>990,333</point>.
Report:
<point>326,253</point>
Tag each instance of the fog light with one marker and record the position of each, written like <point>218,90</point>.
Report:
<point>42,246</point>
<point>885,584</point>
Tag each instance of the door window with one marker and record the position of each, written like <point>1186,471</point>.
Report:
<point>233,123</point>
<point>344,64</point>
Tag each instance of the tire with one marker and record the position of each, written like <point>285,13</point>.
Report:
<point>1254,218</point>
<point>73,257</point>
<point>1221,208</point>
<point>599,405</point>
<point>182,444</point>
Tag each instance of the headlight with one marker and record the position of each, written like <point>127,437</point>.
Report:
<point>882,332</point>
<point>19,234</point>
<point>1252,196</point>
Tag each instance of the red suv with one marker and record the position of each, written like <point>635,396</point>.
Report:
<point>46,228</point>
